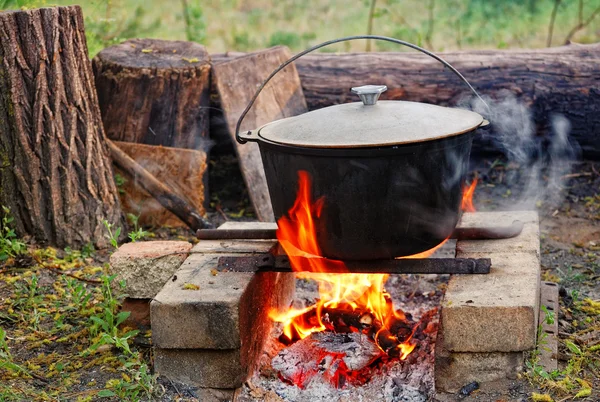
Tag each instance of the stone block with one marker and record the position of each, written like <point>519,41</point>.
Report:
<point>496,312</point>
<point>202,367</point>
<point>146,266</point>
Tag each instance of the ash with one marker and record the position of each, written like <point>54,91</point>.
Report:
<point>411,380</point>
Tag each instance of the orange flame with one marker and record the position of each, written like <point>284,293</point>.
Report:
<point>467,200</point>
<point>359,292</point>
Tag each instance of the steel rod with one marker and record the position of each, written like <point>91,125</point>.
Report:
<point>281,263</point>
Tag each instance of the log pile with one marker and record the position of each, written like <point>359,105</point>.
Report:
<point>154,100</point>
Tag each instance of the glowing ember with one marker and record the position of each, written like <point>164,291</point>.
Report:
<point>467,200</point>
<point>362,294</point>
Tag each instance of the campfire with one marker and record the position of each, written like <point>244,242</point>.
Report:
<point>355,306</point>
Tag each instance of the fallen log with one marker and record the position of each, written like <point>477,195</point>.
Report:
<point>556,80</point>
<point>56,174</point>
<point>177,205</point>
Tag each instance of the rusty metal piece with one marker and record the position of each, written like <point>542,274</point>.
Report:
<point>242,234</point>
<point>281,263</point>
<point>474,233</point>
<point>488,233</point>
<point>548,346</point>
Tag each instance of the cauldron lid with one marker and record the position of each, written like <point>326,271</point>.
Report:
<point>358,125</point>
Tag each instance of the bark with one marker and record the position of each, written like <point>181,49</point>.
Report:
<point>155,92</point>
<point>56,175</point>
<point>558,80</point>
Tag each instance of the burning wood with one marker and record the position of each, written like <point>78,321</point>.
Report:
<point>338,358</point>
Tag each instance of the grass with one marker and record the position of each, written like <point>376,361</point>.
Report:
<point>246,25</point>
<point>62,335</point>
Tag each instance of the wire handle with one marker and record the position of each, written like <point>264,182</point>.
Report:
<point>345,39</point>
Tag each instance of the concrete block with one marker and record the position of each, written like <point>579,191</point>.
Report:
<point>202,367</point>
<point>454,370</point>
<point>229,309</point>
<point>146,266</point>
<point>496,312</point>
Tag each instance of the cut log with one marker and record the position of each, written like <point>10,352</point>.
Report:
<point>155,92</point>
<point>236,81</point>
<point>557,80</point>
<point>171,201</point>
<point>56,175</point>
<point>181,170</point>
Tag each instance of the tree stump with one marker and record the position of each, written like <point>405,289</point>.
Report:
<point>155,92</point>
<point>56,176</point>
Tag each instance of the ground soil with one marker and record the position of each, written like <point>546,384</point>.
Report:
<point>570,245</point>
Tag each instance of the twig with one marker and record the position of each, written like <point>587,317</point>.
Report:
<point>429,33</point>
<point>594,170</point>
<point>370,23</point>
<point>58,271</point>
<point>220,211</point>
<point>574,175</point>
<point>552,19</point>
<point>174,386</point>
<point>581,24</point>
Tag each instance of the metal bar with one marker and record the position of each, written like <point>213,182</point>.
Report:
<point>281,263</point>
<point>474,233</point>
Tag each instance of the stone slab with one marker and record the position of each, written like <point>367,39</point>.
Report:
<point>145,266</point>
<point>453,370</point>
<point>497,312</point>
<point>202,367</point>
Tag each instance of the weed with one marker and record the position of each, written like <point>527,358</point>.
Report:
<point>136,382</point>
<point>138,233</point>
<point>10,246</point>
<point>112,236</point>
<point>105,326</point>
<point>195,24</point>
<point>120,182</point>
<point>6,360</point>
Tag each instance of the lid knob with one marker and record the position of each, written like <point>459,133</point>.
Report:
<point>369,93</point>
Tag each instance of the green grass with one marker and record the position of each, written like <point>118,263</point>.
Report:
<point>245,25</point>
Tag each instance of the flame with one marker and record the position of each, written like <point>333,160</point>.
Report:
<point>355,292</point>
<point>467,200</point>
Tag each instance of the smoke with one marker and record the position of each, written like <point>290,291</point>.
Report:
<point>543,161</point>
